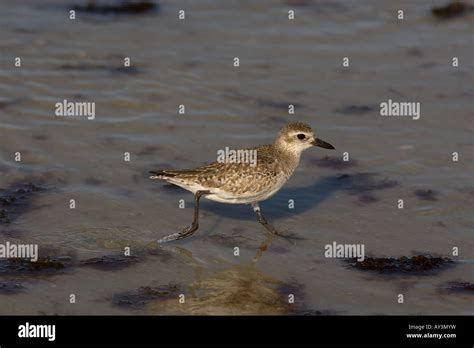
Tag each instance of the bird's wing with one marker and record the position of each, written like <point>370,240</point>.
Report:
<point>231,177</point>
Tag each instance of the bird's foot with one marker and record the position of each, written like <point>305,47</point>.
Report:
<point>169,238</point>
<point>186,232</point>
<point>288,237</point>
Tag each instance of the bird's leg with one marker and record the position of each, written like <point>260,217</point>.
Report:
<point>195,225</point>
<point>264,222</point>
<point>186,232</point>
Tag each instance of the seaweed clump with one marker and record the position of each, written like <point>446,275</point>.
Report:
<point>459,287</point>
<point>15,200</point>
<point>10,287</point>
<point>452,10</point>
<point>124,7</point>
<point>110,262</point>
<point>426,195</point>
<point>19,265</point>
<point>139,298</point>
<point>419,264</point>
<point>355,109</point>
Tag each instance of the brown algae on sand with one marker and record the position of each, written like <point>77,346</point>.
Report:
<point>356,109</point>
<point>111,262</point>
<point>9,287</point>
<point>23,266</point>
<point>140,298</point>
<point>357,183</point>
<point>452,10</point>
<point>416,265</point>
<point>16,199</point>
<point>124,7</point>
<point>426,194</point>
<point>459,287</point>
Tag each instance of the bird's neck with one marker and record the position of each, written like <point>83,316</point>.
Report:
<point>289,158</point>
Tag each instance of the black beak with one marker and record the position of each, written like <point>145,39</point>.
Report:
<point>323,144</point>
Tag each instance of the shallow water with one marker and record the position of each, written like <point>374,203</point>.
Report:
<point>190,62</point>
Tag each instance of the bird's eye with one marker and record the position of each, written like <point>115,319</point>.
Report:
<point>301,136</point>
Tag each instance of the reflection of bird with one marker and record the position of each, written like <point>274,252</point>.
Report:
<point>235,289</point>
<point>245,183</point>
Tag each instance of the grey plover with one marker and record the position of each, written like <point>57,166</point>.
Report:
<point>245,183</point>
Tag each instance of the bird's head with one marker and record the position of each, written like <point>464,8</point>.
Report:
<point>296,137</point>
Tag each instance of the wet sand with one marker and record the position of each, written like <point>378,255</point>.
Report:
<point>190,63</point>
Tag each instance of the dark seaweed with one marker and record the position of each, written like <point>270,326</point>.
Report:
<point>315,312</point>
<point>355,109</point>
<point>137,299</point>
<point>367,198</point>
<point>16,200</point>
<point>426,195</point>
<point>459,287</point>
<point>364,182</point>
<point>124,7</point>
<point>418,264</point>
<point>20,266</point>
<point>452,10</point>
<point>9,287</point>
<point>111,262</point>
<point>131,70</point>
<point>4,103</point>
<point>82,67</point>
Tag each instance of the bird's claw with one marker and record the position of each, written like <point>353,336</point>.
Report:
<point>185,232</point>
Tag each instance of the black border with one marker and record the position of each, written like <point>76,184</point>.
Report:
<point>291,330</point>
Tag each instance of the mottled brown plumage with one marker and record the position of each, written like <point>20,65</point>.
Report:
<point>241,183</point>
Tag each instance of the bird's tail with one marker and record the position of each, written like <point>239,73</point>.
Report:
<point>161,175</point>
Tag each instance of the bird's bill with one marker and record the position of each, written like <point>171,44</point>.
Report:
<point>323,144</point>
